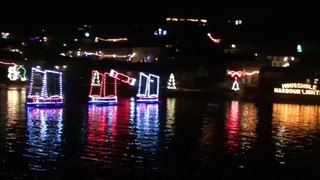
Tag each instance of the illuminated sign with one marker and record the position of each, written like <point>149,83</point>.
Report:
<point>297,88</point>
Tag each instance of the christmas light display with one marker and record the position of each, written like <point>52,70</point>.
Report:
<point>299,48</point>
<point>160,32</point>
<point>6,63</point>
<point>114,56</point>
<point>204,21</point>
<point>148,88</point>
<point>297,88</point>
<point>15,72</point>
<point>103,89</point>
<point>171,82</point>
<point>122,77</point>
<point>22,73</point>
<point>39,96</point>
<point>5,35</point>
<point>235,75</point>
<point>251,73</point>
<point>214,39</point>
<point>96,79</point>
<point>97,39</point>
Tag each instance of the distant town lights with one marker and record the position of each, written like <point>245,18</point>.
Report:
<point>251,73</point>
<point>286,64</point>
<point>204,21</point>
<point>160,32</point>
<point>97,39</point>
<point>238,22</point>
<point>233,46</point>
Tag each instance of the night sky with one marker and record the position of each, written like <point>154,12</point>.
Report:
<point>265,21</point>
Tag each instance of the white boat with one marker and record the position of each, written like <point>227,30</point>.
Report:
<point>45,88</point>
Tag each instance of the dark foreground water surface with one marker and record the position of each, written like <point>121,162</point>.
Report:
<point>180,138</point>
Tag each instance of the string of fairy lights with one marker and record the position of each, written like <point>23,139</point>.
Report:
<point>237,75</point>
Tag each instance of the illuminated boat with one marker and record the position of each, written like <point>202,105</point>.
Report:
<point>103,89</point>
<point>148,88</point>
<point>45,88</point>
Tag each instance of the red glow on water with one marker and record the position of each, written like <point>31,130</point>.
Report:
<point>233,126</point>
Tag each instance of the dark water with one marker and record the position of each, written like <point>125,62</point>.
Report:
<point>180,138</point>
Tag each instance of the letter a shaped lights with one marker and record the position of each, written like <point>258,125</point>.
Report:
<point>45,96</point>
<point>235,75</point>
<point>148,88</point>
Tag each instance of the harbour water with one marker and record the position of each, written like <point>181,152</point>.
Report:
<point>179,138</point>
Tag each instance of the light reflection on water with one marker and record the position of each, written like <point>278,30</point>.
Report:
<point>12,116</point>
<point>147,127</point>
<point>171,116</point>
<point>296,127</point>
<point>241,122</point>
<point>233,127</point>
<point>100,134</point>
<point>125,136</point>
<point>239,139</point>
<point>44,130</point>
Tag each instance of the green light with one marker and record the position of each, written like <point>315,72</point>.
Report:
<point>299,48</point>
